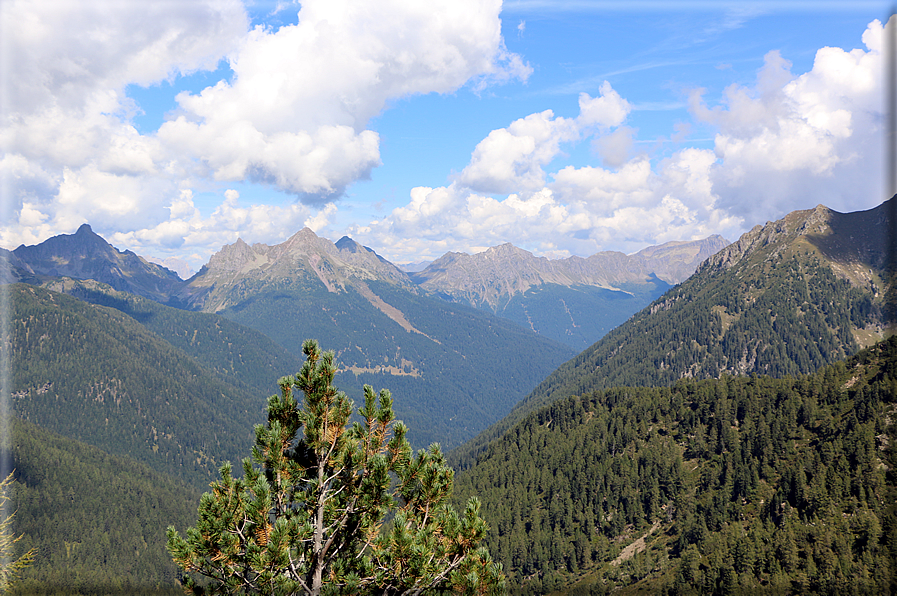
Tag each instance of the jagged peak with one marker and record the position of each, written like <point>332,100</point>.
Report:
<point>793,225</point>
<point>506,249</point>
<point>306,241</point>
<point>84,229</point>
<point>231,257</point>
<point>347,244</point>
<point>305,232</point>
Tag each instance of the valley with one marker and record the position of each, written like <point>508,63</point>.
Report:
<point>609,458</point>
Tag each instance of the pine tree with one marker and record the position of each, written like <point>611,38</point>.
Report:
<point>342,509</point>
<point>10,567</point>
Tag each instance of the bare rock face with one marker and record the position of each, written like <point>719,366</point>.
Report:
<point>302,256</point>
<point>494,275</point>
<point>85,255</point>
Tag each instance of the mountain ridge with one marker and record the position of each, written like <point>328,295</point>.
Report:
<point>86,255</point>
<point>470,277</point>
<point>769,303</point>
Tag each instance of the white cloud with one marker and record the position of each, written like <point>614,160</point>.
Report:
<point>512,159</point>
<point>67,52</point>
<point>582,211</point>
<point>605,111</point>
<point>296,112</point>
<point>787,142</point>
<point>293,116</point>
<point>795,140</point>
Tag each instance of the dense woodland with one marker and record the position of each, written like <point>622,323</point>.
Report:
<point>737,484</point>
<point>236,354</point>
<point>98,521</point>
<point>96,375</point>
<point>785,314</point>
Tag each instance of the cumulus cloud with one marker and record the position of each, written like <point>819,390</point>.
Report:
<point>790,138</point>
<point>512,159</point>
<point>787,142</point>
<point>67,53</point>
<point>582,211</point>
<point>294,114</point>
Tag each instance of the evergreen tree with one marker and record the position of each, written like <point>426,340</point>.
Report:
<point>10,567</point>
<point>339,510</point>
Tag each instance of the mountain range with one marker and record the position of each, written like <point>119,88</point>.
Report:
<point>389,329</point>
<point>785,299</point>
<point>621,450</point>
<point>574,300</point>
<point>624,471</point>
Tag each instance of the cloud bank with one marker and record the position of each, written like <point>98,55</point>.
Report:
<point>293,114</point>
<point>293,111</point>
<point>786,142</point>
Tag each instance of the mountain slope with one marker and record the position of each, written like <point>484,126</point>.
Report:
<point>575,300</point>
<point>773,302</point>
<point>453,369</point>
<point>97,521</point>
<point>94,374</point>
<point>85,255</point>
<point>242,357</point>
<point>737,485</point>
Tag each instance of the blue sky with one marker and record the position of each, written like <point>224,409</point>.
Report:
<point>562,127</point>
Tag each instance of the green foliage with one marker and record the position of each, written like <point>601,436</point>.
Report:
<point>449,395</point>
<point>95,522</point>
<point>738,484</point>
<point>238,355</point>
<point>770,314</point>
<point>96,375</point>
<point>337,509</point>
<point>11,565</point>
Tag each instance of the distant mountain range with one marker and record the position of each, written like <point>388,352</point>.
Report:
<point>785,299</point>
<point>122,355</point>
<point>575,300</point>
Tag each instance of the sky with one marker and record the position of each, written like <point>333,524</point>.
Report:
<point>565,127</point>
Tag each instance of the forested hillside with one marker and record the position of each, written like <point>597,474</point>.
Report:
<point>97,521</point>
<point>429,353</point>
<point>94,374</point>
<point>237,355</point>
<point>575,300</point>
<point>783,300</point>
<point>716,486</point>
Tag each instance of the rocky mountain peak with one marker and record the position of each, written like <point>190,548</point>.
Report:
<point>86,255</point>
<point>346,244</point>
<point>854,243</point>
<point>233,257</point>
<point>773,237</point>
